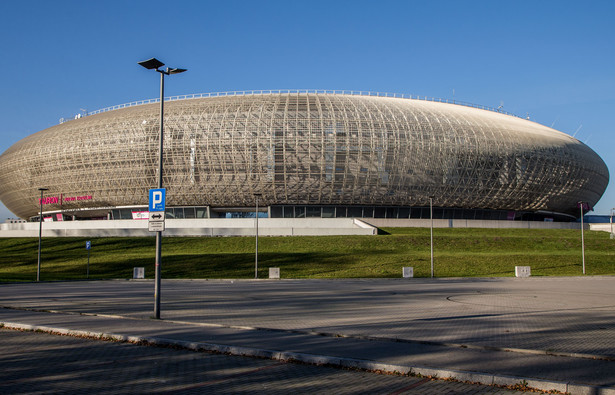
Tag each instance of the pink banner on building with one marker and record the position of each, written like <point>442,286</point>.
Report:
<point>140,215</point>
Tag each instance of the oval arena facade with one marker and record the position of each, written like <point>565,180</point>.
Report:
<point>310,154</point>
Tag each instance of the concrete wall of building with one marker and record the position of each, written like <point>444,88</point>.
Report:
<point>470,223</point>
<point>193,227</point>
<point>215,227</point>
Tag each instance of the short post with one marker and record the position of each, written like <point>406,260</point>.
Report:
<point>274,272</point>
<point>523,271</point>
<point>138,273</point>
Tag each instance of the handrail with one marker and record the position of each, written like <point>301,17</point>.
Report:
<point>290,91</point>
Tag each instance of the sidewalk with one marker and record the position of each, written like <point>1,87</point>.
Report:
<point>222,317</point>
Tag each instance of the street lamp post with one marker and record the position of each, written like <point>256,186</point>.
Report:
<point>40,235</point>
<point>256,196</point>
<point>611,221</point>
<point>581,204</point>
<point>155,64</point>
<point>431,231</point>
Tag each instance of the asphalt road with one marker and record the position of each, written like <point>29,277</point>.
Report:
<point>560,331</point>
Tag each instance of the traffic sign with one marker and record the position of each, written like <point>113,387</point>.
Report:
<point>156,216</point>
<point>88,245</point>
<point>156,226</point>
<point>157,199</point>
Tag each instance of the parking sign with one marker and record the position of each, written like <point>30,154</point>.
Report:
<point>157,199</point>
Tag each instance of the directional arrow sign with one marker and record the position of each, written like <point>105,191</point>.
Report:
<point>156,216</point>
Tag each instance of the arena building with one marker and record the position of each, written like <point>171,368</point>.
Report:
<point>310,154</point>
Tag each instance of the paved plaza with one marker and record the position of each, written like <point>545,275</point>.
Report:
<point>553,333</point>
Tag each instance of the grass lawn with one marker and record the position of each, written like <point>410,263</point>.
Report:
<point>458,253</point>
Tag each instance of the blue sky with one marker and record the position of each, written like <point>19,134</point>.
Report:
<point>553,60</point>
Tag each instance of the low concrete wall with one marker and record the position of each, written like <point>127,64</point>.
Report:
<point>601,227</point>
<point>266,227</point>
<point>470,223</point>
<point>194,227</point>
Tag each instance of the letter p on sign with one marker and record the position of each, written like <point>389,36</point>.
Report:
<point>157,199</point>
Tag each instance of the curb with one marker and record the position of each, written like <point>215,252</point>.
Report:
<point>361,364</point>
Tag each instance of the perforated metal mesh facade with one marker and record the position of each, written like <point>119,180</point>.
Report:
<point>304,148</point>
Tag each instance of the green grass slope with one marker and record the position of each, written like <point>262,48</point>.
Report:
<point>458,253</point>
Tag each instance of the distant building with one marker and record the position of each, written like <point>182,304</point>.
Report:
<point>597,219</point>
<point>310,154</point>
<point>14,221</point>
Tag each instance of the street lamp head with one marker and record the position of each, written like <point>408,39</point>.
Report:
<point>257,194</point>
<point>175,71</point>
<point>43,189</point>
<point>152,63</point>
<point>155,64</point>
